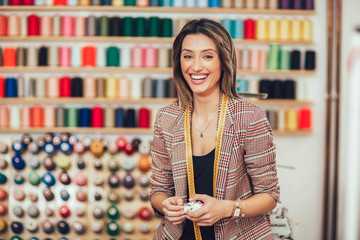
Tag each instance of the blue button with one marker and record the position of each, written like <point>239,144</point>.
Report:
<point>33,161</point>
<point>49,148</point>
<point>64,195</point>
<point>18,146</point>
<point>48,179</point>
<point>19,178</point>
<point>18,162</point>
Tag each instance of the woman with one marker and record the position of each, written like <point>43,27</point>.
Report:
<point>211,146</point>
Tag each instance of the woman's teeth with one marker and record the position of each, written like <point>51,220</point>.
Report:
<point>198,77</point>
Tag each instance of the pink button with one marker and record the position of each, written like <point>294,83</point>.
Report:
<point>19,194</point>
<point>64,211</point>
<point>80,179</point>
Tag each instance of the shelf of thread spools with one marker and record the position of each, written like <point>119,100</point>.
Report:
<point>140,29</point>
<point>63,185</point>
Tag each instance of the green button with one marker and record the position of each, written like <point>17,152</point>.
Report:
<point>3,178</point>
<point>113,212</point>
<point>113,164</point>
<point>112,228</point>
<point>15,238</point>
<point>63,162</point>
<point>113,197</point>
<point>34,178</point>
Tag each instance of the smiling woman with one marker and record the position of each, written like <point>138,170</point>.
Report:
<point>228,164</point>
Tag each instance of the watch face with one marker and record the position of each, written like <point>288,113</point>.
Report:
<point>237,212</point>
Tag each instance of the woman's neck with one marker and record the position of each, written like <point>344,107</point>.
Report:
<point>205,106</point>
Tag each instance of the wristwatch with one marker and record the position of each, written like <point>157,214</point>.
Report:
<point>236,210</point>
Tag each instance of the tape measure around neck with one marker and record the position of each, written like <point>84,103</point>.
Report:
<point>189,162</point>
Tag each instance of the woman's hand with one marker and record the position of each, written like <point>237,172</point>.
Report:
<point>173,210</point>
<point>212,211</point>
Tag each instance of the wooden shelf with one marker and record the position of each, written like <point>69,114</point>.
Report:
<point>78,100</point>
<point>134,40</point>
<point>143,70</point>
<point>158,9</point>
<point>116,130</point>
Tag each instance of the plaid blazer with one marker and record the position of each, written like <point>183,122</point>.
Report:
<point>247,166</point>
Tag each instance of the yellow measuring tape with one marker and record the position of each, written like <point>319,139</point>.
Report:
<point>189,162</point>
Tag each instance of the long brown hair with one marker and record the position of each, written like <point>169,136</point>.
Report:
<point>216,32</point>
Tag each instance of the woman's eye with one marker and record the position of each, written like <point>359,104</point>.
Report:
<point>208,56</point>
<point>187,56</point>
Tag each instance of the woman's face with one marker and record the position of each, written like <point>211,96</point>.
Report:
<point>200,64</point>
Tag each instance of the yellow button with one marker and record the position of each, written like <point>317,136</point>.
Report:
<point>96,147</point>
<point>63,162</point>
<point>2,225</point>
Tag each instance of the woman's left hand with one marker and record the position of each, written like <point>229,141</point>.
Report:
<point>212,211</point>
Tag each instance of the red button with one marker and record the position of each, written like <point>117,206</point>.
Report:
<point>3,194</point>
<point>121,143</point>
<point>64,211</point>
<point>129,149</point>
<point>145,213</point>
<point>2,209</point>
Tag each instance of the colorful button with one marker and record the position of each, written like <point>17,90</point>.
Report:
<point>56,140</point>
<point>40,141</point>
<point>26,138</point>
<point>64,195</point>
<point>113,164</point>
<point>144,180</point>
<point>113,212</point>
<point>144,195</point>
<point>114,181</point>
<point>86,141</point>
<point>33,161</point>
<point>34,178</point>
<point>113,197</point>
<point>129,212</point>
<point>3,148</point>
<point>79,227</point>
<point>18,146</point>
<point>80,163</point>
<point>18,211</point>
<point>49,148</point>
<point>79,148</point>
<point>127,163</point>
<point>3,194</point>
<point>97,147</point>
<point>98,212</point>
<point>48,137</point>
<point>98,164</point>
<point>128,228</point>
<point>49,163</point>
<point>129,149</point>
<point>145,213</point>
<point>3,178</point>
<point>81,196</point>
<point>63,162</point>
<point>144,228</point>
<point>33,148</point>
<point>65,147</point>
<point>121,143</point>
<point>144,163</point>
<point>64,211</point>
<point>19,194</point>
<point>112,148</point>
<point>63,227</point>
<point>98,196</point>
<point>34,238</point>
<point>17,227</point>
<point>65,178</point>
<point>3,164</point>
<point>73,140</point>
<point>47,227</point>
<point>31,226</point>
<point>18,162</point>
<point>33,211</point>
<point>3,209</point>
<point>33,196</point>
<point>48,194</point>
<point>65,136</point>
<point>136,142</point>
<point>144,148</point>
<point>18,178</point>
<point>80,179</point>
<point>2,226</point>
<point>112,228</point>
<point>98,180</point>
<point>49,212</point>
<point>129,181</point>
<point>15,238</point>
<point>96,227</point>
<point>129,195</point>
<point>48,179</point>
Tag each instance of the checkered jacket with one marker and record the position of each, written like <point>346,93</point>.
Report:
<point>247,166</point>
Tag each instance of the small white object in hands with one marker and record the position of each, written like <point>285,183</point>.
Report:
<point>193,206</point>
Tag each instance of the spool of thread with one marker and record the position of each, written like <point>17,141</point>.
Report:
<point>276,90</point>
<point>147,87</point>
<point>101,56</point>
<point>13,25</point>
<point>124,87</point>
<point>310,60</point>
<point>291,119</point>
<point>32,56</point>
<point>25,117</point>
<point>250,4</point>
<point>76,59</point>
<point>273,119</point>
<point>104,26</point>
<point>296,33</point>
<point>273,57</point>
<point>65,57</point>
<point>245,56</point>
<point>289,89</point>
<point>4,117</point>
<point>67,26</point>
<point>273,4</point>
<point>97,119</point>
<point>128,26</point>
<point>60,116</point>
<point>227,3</point>
<point>46,26</point>
<point>59,2</point>
<point>249,30</point>
<point>2,87</point>
<point>262,59</point>
<point>227,25</point>
<point>254,59</point>
<point>284,29</point>
<point>309,4</point>
<point>163,56</point>
<point>3,25</point>
<point>89,87</point>
<point>214,3</point>
<point>85,117</point>
<point>281,120</point>
<point>140,27</point>
<point>253,86</point>
<point>52,87</point>
<point>33,25</point>
<point>137,57</point>
<point>129,118</point>
<point>237,29</point>
<point>285,60</point>
<point>15,2</point>
<point>262,32</point>
<point>43,56</point>
<point>144,118</point>
<point>80,26</point>
<point>111,87</point>
<point>298,4</point>
<point>129,2</point>
<point>84,2</point>
<point>180,3</point>
<point>307,30</point>
<point>202,3</point>
<point>301,90</point>
<point>305,119</point>
<point>265,87</point>
<point>274,33</point>
<point>21,86</point>
<point>100,87</point>
<point>32,87</point>
<point>56,25</point>
<point>159,88</point>
<point>77,88</point>
<point>90,26</point>
<point>73,2</point>
<point>117,2</point>
<point>262,4</point>
<point>40,88</point>
<point>125,57</point>
<point>154,3</point>
<point>36,116</point>
<point>95,2</point>
<point>9,59</point>
<point>65,87</point>
<point>166,3</point>
<point>49,116</point>
<point>109,117</point>
<point>151,57</point>
<point>112,57</point>
<point>71,117</point>
<point>241,85</point>
<point>39,2</point>
<point>89,56</point>
<point>114,26</point>
<point>154,25</point>
<point>119,117</point>
<point>23,25</point>
<point>10,87</point>
<point>239,4</point>
<point>136,88</point>
<point>284,4</point>
<point>166,27</point>
<point>14,116</point>
<point>295,60</point>
<point>21,56</point>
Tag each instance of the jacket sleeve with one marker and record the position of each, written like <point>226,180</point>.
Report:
<point>161,177</point>
<point>260,155</point>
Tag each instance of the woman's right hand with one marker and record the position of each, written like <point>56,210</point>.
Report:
<point>173,210</point>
